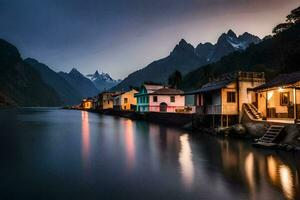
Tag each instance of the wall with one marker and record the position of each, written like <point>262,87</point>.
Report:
<point>131,100</point>
<point>229,108</point>
<point>155,106</point>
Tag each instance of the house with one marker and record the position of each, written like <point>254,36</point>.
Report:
<point>143,96</point>
<point>87,103</point>
<point>160,99</point>
<point>125,100</point>
<point>279,99</point>
<point>105,100</point>
<point>222,98</point>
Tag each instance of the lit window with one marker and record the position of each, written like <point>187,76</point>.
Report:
<point>284,98</point>
<point>172,98</point>
<point>154,98</point>
<point>230,97</point>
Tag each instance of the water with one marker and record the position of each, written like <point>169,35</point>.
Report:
<point>61,154</point>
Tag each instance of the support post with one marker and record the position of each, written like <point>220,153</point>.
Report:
<point>295,105</point>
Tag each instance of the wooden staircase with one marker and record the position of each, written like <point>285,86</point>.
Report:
<point>252,111</point>
<point>267,140</point>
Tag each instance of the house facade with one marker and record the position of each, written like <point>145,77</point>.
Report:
<point>142,97</point>
<point>105,100</point>
<point>125,100</point>
<point>87,104</point>
<point>279,99</point>
<point>223,97</point>
<point>157,98</point>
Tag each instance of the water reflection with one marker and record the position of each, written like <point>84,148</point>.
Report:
<point>282,177</point>
<point>129,143</point>
<point>85,134</point>
<point>186,162</point>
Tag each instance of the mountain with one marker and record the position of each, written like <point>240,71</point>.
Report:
<point>274,55</point>
<point>68,94</point>
<point>83,85</point>
<point>186,58</point>
<point>20,84</point>
<point>102,81</point>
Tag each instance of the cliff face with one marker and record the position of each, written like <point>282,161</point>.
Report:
<point>20,84</point>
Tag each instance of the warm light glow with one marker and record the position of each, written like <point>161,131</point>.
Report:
<point>270,95</point>
<point>129,143</point>
<point>280,89</point>
<point>249,169</point>
<point>185,160</point>
<point>272,171</point>
<point>85,138</point>
<point>286,180</point>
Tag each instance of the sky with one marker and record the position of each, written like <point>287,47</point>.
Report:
<point>121,36</point>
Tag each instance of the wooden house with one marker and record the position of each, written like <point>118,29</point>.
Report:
<point>125,100</point>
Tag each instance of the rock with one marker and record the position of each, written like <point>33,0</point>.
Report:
<point>255,130</point>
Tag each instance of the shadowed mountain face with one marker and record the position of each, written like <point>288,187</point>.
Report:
<point>83,85</point>
<point>102,81</point>
<point>67,93</point>
<point>185,58</point>
<point>20,84</point>
<point>274,55</point>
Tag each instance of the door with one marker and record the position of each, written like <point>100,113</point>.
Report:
<point>163,107</point>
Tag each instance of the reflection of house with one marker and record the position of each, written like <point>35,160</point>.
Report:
<point>160,99</point>
<point>125,100</point>
<point>223,97</point>
<point>105,100</point>
<point>279,99</point>
<point>87,103</point>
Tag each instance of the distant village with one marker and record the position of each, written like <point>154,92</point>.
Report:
<point>230,99</point>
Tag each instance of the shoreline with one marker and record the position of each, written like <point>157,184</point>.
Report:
<point>188,122</point>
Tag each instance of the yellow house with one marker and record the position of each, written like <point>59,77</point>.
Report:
<point>125,100</point>
<point>279,99</point>
<point>87,103</point>
<point>222,99</point>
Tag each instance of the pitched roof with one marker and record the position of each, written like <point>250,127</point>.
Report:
<point>281,80</point>
<point>151,88</point>
<point>168,91</point>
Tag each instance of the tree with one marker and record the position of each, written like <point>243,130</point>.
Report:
<point>294,16</point>
<point>281,27</point>
<point>292,19</point>
<point>175,79</point>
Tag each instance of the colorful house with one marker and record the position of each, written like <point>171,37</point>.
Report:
<point>87,103</point>
<point>143,96</point>
<point>279,99</point>
<point>125,100</point>
<point>160,99</point>
<point>223,97</point>
<point>106,100</point>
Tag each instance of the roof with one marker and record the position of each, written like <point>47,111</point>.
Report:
<point>168,91</point>
<point>152,87</point>
<point>281,80</point>
<point>214,85</point>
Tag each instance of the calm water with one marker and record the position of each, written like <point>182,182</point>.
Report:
<point>58,154</point>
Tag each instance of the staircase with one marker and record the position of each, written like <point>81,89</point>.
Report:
<point>267,140</point>
<point>252,111</point>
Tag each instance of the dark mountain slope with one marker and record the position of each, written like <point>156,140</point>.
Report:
<point>279,54</point>
<point>20,84</point>
<point>83,85</point>
<point>66,92</point>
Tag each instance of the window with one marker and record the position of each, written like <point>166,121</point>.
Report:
<point>154,98</point>
<point>125,100</point>
<point>230,97</point>
<point>172,98</point>
<point>284,98</point>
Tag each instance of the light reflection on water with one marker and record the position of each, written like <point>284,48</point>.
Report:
<point>186,162</point>
<point>85,132</point>
<point>59,148</point>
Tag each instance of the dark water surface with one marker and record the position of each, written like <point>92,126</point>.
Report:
<point>61,154</point>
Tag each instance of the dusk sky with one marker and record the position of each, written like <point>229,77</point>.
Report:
<point>121,36</point>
